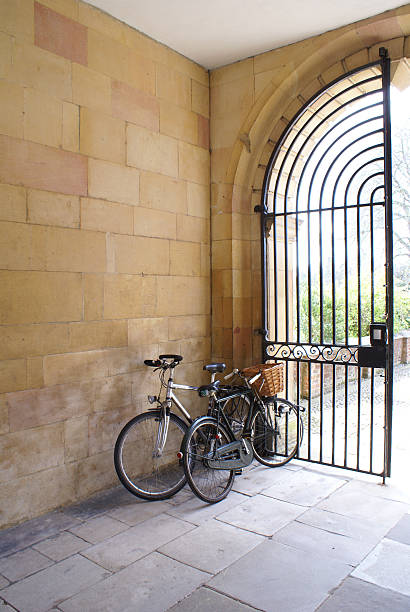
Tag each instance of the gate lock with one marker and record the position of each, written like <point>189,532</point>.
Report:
<point>374,356</point>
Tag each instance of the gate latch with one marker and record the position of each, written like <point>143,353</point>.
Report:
<point>374,356</point>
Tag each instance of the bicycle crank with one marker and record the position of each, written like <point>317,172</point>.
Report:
<point>231,456</point>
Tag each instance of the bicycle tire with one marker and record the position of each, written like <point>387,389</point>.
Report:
<point>209,484</point>
<point>236,409</point>
<point>144,475</point>
<point>274,436</point>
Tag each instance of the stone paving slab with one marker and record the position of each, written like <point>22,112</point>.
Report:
<point>274,577</point>
<point>3,582</point>
<point>196,511</point>
<point>388,566</point>
<point>60,547</point>
<point>205,600</point>
<point>154,583</point>
<point>139,511</point>
<point>34,531</point>
<point>100,503</point>
<point>304,488</point>
<point>338,523</point>
<point>333,545</point>
<point>42,591</point>
<point>401,531</point>
<point>125,548</point>
<point>98,529</point>
<point>261,478</point>
<point>381,514</point>
<point>358,596</point>
<point>212,546</point>
<point>262,515</point>
<point>23,563</point>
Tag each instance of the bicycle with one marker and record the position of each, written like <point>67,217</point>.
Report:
<point>146,453</point>
<point>242,425</point>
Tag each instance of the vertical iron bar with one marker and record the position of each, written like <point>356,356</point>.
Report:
<point>371,319</point>
<point>309,408</point>
<point>385,64</point>
<point>321,413</point>
<point>333,411</point>
<point>359,331</point>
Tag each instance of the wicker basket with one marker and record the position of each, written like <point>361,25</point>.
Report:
<point>271,381</point>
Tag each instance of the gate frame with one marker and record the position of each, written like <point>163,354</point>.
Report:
<point>266,218</point>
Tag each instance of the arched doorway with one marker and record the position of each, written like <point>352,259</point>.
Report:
<point>327,268</point>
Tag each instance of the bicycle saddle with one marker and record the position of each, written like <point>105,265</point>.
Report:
<point>176,358</point>
<point>214,367</point>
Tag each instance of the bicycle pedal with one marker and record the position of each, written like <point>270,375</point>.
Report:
<point>238,472</point>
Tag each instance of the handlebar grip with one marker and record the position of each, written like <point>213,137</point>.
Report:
<point>152,363</point>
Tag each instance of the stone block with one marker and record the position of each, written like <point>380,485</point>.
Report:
<point>37,449</point>
<point>43,71</point>
<point>135,106</point>
<point>32,340</point>
<point>221,226</point>
<point>11,109</point>
<point>102,136</point>
<point>95,474</point>
<point>155,223</point>
<point>221,254</point>
<point>39,297</point>
<point>138,255</point>
<point>189,327</point>
<point>97,335</point>
<point>185,259</point>
<point>241,254</point>
<point>178,122</point>
<point>222,283</point>
<point>196,349</point>
<point>38,407</point>
<point>15,245</point>
<point>357,59</point>
<point>164,193</point>
<point>13,375</point>
<point>72,250</point>
<point>232,72</point>
<point>232,98</point>
<point>128,296</point>
<point>182,295</point>
<point>173,86</point>
<point>105,216</point>
<point>75,367</point>
<point>113,182</point>
<point>205,259</point>
<point>198,200</point>
<point>4,416</point>
<point>193,229</point>
<point>194,163</point>
<point>13,203</point>
<point>113,392</point>
<point>69,8</point>
<point>200,99</point>
<point>151,151</point>
<point>16,18</point>
<point>104,427</point>
<point>203,132</point>
<point>147,331</point>
<point>407,47</point>
<point>93,286</point>
<point>42,167</point>
<point>71,127</point>
<point>59,34</point>
<point>6,54</point>
<point>47,208</point>
<point>91,89</point>
<point>225,131</point>
<point>75,439</point>
<point>96,19</point>
<point>35,374</point>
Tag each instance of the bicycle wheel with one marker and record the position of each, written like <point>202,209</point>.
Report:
<point>209,484</point>
<point>139,469</point>
<point>274,432</point>
<point>236,410</point>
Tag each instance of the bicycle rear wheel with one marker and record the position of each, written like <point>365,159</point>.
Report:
<point>209,484</point>
<point>276,432</point>
<point>139,468</point>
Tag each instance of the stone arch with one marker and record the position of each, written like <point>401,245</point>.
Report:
<point>263,126</point>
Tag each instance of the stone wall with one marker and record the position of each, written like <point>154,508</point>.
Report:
<point>104,251</point>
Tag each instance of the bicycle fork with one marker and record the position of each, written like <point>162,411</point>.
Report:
<point>162,433</point>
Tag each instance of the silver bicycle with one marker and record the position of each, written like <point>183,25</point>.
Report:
<point>147,454</point>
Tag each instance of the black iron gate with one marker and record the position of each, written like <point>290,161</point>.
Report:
<point>326,222</point>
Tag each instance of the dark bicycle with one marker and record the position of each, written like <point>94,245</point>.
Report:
<point>243,423</point>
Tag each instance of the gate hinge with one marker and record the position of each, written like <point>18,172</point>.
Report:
<point>258,208</point>
<point>260,332</point>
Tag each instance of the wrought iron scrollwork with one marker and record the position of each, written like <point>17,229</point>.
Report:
<point>320,353</point>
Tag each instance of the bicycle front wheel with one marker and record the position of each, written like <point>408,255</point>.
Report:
<point>139,468</point>
<point>203,438</point>
<point>276,432</point>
